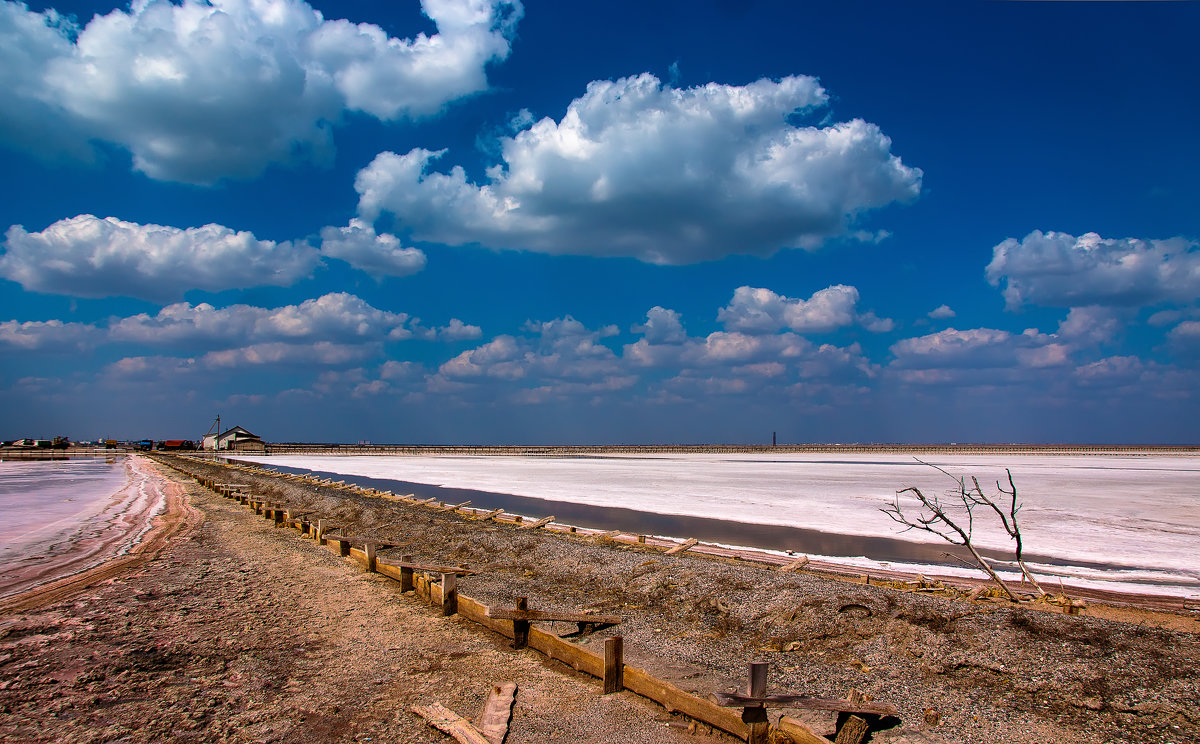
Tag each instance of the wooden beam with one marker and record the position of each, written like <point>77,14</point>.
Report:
<point>691,543</point>
<point>795,565</point>
<point>455,507</point>
<point>604,535</point>
<point>497,712</point>
<point>853,731</point>
<point>674,699</point>
<point>614,664</point>
<point>755,716</point>
<point>449,594</point>
<point>734,700</point>
<point>449,722</point>
<point>553,616</point>
<point>540,523</point>
<point>799,732</point>
<point>520,627</point>
<point>489,515</point>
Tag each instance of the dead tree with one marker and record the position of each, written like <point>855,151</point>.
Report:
<point>934,518</point>
<point>1010,522</point>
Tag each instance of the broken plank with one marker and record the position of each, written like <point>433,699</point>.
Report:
<point>497,712</point>
<point>795,565</point>
<point>540,523</point>
<point>489,515</point>
<point>449,722</point>
<point>688,545</point>
<point>455,507</point>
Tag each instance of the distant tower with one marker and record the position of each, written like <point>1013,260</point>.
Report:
<point>773,442</point>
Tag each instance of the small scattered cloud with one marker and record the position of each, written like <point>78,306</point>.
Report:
<point>377,254</point>
<point>86,256</point>
<point>941,312</point>
<point>665,175</point>
<point>1055,269</point>
<point>759,310</point>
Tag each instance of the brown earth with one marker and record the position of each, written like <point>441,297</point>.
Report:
<point>242,632</point>
<point>238,632</point>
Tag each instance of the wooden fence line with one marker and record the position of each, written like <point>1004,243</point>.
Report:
<point>634,679</point>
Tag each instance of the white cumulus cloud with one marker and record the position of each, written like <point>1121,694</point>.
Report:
<point>759,310</point>
<point>377,254</point>
<point>86,256</point>
<point>199,91</point>
<point>47,335</point>
<point>337,317</point>
<point>665,175</point>
<point>1055,269</point>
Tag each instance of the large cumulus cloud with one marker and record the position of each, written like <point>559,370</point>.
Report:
<point>666,175</point>
<point>199,91</point>
<point>1054,269</point>
<point>86,256</point>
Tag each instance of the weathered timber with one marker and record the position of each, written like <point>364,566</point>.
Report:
<point>796,565</point>
<point>449,594</point>
<point>674,699</point>
<point>553,616</point>
<point>449,722</point>
<point>455,507</point>
<point>853,731</point>
<point>605,535</point>
<point>520,627</point>
<point>540,523</point>
<point>688,545</point>
<point>755,715</point>
<point>407,562</point>
<point>734,700</point>
<point>489,515</point>
<point>614,664</point>
<point>497,712</point>
<point>799,732</point>
<point>422,502</point>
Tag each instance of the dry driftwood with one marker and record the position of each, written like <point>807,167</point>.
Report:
<point>451,723</point>
<point>497,712</point>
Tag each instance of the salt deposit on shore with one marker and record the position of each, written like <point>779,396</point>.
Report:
<point>64,516</point>
<point>1125,524</point>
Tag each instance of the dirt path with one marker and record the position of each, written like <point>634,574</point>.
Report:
<point>223,629</point>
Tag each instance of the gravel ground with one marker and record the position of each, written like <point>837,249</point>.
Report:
<point>239,632</point>
<point>292,628</point>
<point>984,671</point>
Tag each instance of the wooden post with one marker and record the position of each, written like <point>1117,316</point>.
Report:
<point>321,531</point>
<point>406,575</point>
<point>521,627</point>
<point>343,548</point>
<point>756,716</point>
<point>614,664</point>
<point>642,539</point>
<point>449,594</point>
<point>371,561</point>
<point>852,731</point>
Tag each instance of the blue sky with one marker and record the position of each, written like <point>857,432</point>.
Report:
<point>466,221</point>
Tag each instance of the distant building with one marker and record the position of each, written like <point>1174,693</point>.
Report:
<point>236,439</point>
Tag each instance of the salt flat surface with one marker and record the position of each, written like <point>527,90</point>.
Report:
<point>41,499</point>
<point>1126,523</point>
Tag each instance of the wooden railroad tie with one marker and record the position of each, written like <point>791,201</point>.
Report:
<point>522,616</point>
<point>853,721</point>
<point>540,523</point>
<point>454,507</point>
<point>489,515</point>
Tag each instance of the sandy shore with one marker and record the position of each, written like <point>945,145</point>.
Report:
<point>238,630</point>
